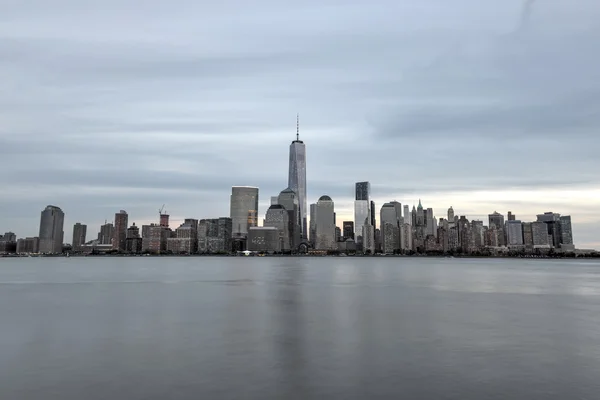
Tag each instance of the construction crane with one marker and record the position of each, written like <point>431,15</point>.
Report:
<point>160,211</point>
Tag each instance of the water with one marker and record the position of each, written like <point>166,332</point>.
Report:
<point>299,328</point>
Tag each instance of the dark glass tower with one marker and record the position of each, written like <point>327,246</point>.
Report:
<point>297,177</point>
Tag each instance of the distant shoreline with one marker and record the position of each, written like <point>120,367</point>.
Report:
<point>554,256</point>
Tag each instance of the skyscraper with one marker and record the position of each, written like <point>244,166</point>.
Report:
<point>407,215</point>
<point>120,238</point>
<point>348,231</point>
<point>313,224</point>
<point>297,176</point>
<point>325,226</point>
<point>566,232</point>
<point>289,200</point>
<point>514,233</point>
<point>451,214</point>
<point>243,209</point>
<point>362,212</point>
<point>51,230</point>
<point>390,227</point>
<point>106,234</point>
<point>79,231</point>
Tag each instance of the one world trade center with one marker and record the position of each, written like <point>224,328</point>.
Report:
<point>297,175</point>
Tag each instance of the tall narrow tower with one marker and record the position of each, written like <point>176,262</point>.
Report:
<point>297,176</point>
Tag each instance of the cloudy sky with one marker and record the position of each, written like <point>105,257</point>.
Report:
<point>122,104</point>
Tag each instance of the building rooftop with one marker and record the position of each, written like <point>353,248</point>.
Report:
<point>325,198</point>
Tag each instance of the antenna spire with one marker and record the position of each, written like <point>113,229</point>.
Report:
<point>298,126</point>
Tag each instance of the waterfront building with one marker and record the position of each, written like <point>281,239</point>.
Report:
<point>368,236</point>
<point>278,217</point>
<point>186,238</point>
<point>497,220</point>
<point>566,232</point>
<point>290,202</point>
<point>79,233</point>
<point>214,235</point>
<point>313,225</point>
<point>553,225</point>
<point>348,229</point>
<point>325,224</point>
<point>29,245</point>
<point>514,233</point>
<point>243,209</point>
<point>51,230</point>
<point>133,241</point>
<point>297,178</point>
<point>390,220</point>
<point>264,239</point>
<point>154,238</point>
<point>120,233</point>
<point>362,212</point>
<point>107,231</point>
<point>540,236</point>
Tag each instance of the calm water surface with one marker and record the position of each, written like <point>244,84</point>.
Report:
<point>299,328</point>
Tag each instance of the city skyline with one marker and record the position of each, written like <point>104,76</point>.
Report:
<point>169,118</point>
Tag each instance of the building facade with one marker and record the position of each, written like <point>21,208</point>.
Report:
<point>243,209</point>
<point>264,239</point>
<point>325,224</point>
<point>51,230</point>
<point>362,208</point>
<point>297,179</point>
<point>79,233</point>
<point>120,233</point>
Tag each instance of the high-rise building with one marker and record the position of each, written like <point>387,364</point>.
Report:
<point>120,237</point>
<point>390,222</point>
<point>214,235</point>
<point>552,221</point>
<point>514,233</point>
<point>278,217</point>
<point>297,177</point>
<point>9,237</point>
<point>348,229</point>
<point>511,216</point>
<point>154,238</point>
<point>186,238</point>
<point>406,238</point>
<point>133,242</point>
<point>290,202</point>
<point>368,236</point>
<point>407,215</point>
<point>107,231</point>
<point>478,234</point>
<point>540,236</point>
<point>79,232</point>
<point>313,225</point>
<point>497,220</point>
<point>51,230</point>
<point>362,205</point>
<point>373,220</point>
<point>163,220</point>
<point>451,214</point>
<point>566,232</point>
<point>527,235</point>
<point>325,226</point>
<point>243,209</point>
<point>430,223</point>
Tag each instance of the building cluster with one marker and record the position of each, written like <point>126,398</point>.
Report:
<point>290,225</point>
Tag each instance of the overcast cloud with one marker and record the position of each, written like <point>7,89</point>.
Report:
<point>121,104</point>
